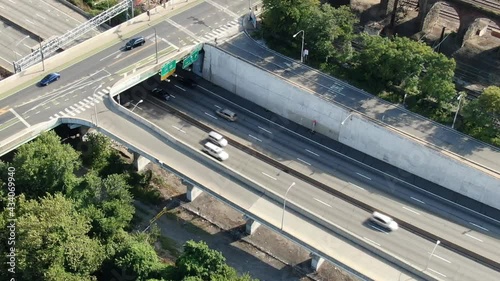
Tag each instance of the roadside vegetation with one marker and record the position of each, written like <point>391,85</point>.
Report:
<point>396,69</point>
<point>74,212</point>
<point>95,7</point>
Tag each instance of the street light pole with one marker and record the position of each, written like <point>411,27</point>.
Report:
<point>284,205</point>
<point>136,105</point>
<point>432,253</point>
<point>302,50</point>
<point>342,123</point>
<point>456,113</point>
<point>95,107</point>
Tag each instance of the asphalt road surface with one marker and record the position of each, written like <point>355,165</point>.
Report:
<point>402,243</point>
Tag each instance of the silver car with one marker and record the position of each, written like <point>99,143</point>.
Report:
<point>227,114</point>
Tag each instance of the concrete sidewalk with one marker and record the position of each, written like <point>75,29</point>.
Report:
<point>90,47</point>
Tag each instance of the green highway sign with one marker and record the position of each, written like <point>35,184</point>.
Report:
<point>168,67</point>
<point>190,59</point>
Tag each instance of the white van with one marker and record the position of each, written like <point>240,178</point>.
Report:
<point>217,139</point>
<point>215,151</point>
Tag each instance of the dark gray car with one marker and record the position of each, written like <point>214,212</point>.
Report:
<point>135,42</point>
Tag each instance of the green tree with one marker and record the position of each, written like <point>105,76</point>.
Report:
<point>107,202</point>
<point>283,18</point>
<point>45,165</point>
<point>139,259</point>
<point>98,152</point>
<point>52,241</point>
<point>200,263</point>
<point>329,32</point>
<point>482,116</point>
<point>403,63</point>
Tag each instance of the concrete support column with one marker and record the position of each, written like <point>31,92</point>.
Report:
<point>316,261</point>
<point>140,162</point>
<point>251,226</point>
<point>193,192</point>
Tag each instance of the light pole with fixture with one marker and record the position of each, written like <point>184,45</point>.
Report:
<point>95,107</point>
<point>284,205</point>
<point>302,49</point>
<point>432,253</point>
<point>342,123</point>
<point>460,98</point>
<point>136,105</point>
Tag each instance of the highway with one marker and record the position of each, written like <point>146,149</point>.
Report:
<point>327,166</point>
<point>78,91</point>
<point>201,105</point>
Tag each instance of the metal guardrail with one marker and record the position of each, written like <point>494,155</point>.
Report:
<point>59,42</point>
<point>408,226</point>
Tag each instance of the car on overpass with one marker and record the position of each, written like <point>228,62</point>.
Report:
<point>50,78</point>
<point>135,42</point>
<point>384,221</point>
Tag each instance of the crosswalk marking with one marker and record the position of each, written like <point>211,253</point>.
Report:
<point>81,108</point>
<point>62,114</point>
<point>69,111</point>
<point>93,99</point>
<point>74,109</point>
<point>84,104</point>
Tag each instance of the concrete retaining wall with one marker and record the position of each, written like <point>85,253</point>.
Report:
<point>301,106</point>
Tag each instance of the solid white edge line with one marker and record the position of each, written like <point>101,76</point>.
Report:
<point>19,117</point>
<point>347,157</point>
<point>268,176</point>
<point>371,241</point>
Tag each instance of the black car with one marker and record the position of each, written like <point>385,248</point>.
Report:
<point>135,42</point>
<point>161,93</point>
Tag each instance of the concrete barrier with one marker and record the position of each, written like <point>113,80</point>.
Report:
<point>302,106</point>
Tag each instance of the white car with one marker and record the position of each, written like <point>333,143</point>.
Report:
<point>215,151</point>
<point>384,221</point>
<point>217,139</point>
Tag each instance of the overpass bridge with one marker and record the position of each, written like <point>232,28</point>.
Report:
<point>140,136</point>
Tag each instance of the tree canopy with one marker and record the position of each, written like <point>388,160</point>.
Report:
<point>52,241</point>
<point>482,116</point>
<point>45,165</point>
<point>412,66</point>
